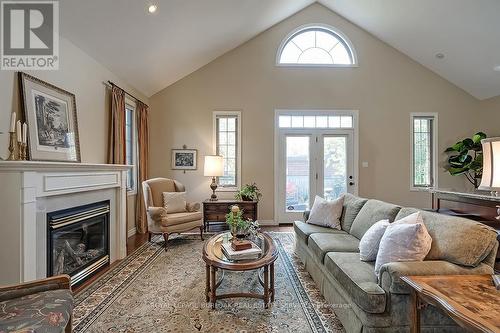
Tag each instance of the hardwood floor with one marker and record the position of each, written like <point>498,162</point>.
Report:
<point>135,241</point>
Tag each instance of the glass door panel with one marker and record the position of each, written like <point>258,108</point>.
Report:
<point>334,166</point>
<point>298,166</point>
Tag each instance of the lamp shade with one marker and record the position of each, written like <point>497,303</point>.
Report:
<point>491,165</point>
<point>214,166</point>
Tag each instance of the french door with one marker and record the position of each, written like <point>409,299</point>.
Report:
<point>313,162</point>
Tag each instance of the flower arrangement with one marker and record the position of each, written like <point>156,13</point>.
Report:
<point>239,226</point>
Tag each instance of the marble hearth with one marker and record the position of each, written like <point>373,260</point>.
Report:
<point>30,190</point>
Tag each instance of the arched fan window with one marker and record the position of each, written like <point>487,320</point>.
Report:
<point>316,45</point>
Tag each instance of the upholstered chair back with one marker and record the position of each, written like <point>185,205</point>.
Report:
<point>153,190</point>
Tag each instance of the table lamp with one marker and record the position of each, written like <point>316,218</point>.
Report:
<point>490,180</point>
<point>214,167</point>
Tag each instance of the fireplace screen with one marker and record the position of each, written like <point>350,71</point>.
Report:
<point>78,240</point>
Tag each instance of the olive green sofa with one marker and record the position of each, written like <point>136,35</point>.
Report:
<point>365,303</point>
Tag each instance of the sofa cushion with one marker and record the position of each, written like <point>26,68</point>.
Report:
<point>358,279</point>
<point>47,311</point>
<point>321,244</point>
<point>304,230</point>
<point>326,213</point>
<point>404,241</point>
<point>352,206</point>
<point>476,239</point>
<point>370,242</point>
<point>373,211</point>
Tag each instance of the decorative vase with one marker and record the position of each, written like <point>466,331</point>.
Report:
<point>246,198</point>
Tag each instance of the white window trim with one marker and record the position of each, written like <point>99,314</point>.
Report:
<point>133,104</point>
<point>435,145</point>
<point>324,26</point>
<point>236,113</point>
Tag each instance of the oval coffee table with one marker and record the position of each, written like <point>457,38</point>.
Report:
<point>216,261</point>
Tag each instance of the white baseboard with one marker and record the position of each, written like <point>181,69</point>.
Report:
<point>131,232</point>
<point>268,223</point>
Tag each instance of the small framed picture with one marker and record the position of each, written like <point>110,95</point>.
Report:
<point>184,159</point>
<point>50,113</point>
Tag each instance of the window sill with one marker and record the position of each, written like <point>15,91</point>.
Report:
<point>227,189</point>
<point>420,189</point>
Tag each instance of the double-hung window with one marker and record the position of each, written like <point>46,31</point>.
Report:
<point>227,140</point>
<point>131,145</point>
<point>424,149</point>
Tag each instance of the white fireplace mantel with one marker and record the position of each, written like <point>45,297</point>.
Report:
<point>29,189</point>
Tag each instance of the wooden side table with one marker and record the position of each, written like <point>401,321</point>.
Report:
<point>472,301</point>
<point>214,212</point>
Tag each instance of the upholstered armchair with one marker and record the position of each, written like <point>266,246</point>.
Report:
<point>38,306</point>
<point>162,222</point>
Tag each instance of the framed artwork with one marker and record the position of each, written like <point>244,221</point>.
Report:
<point>184,159</point>
<point>50,113</point>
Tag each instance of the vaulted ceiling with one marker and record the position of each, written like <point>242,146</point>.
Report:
<point>151,52</point>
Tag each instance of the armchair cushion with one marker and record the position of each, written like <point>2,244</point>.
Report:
<point>42,312</point>
<point>193,206</point>
<point>390,273</point>
<point>180,218</point>
<point>174,202</point>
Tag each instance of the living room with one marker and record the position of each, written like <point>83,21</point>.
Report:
<point>351,144</point>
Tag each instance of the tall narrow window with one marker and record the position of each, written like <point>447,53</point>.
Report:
<point>424,127</point>
<point>228,145</point>
<point>131,146</point>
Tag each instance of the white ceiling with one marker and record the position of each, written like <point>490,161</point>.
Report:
<point>151,52</point>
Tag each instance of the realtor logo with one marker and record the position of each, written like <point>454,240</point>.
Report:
<point>30,35</point>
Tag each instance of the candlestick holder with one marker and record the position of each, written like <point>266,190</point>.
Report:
<point>12,146</point>
<point>22,151</point>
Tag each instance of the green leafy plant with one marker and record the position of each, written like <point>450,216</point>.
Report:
<point>249,192</point>
<point>466,158</point>
<point>240,226</point>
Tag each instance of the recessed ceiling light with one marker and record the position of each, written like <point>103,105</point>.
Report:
<point>439,55</point>
<point>496,68</point>
<point>152,8</point>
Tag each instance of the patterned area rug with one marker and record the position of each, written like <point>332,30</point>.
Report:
<point>157,291</point>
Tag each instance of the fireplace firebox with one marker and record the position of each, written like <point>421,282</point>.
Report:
<point>78,241</point>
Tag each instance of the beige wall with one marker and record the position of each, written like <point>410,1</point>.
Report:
<point>83,76</point>
<point>490,113</point>
<point>385,88</point>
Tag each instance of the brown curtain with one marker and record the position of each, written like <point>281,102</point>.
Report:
<point>142,168</point>
<point>116,149</point>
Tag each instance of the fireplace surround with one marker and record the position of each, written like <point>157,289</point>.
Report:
<point>33,190</point>
<point>78,241</point>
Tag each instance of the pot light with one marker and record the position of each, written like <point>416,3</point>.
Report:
<point>439,55</point>
<point>496,68</point>
<point>152,8</point>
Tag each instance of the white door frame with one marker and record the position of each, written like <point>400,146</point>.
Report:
<point>317,112</point>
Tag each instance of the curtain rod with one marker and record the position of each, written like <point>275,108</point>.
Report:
<point>127,93</point>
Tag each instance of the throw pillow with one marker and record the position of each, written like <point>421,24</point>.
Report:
<point>370,242</point>
<point>174,202</point>
<point>411,219</point>
<point>403,241</point>
<point>326,213</point>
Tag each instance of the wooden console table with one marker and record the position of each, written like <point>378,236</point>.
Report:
<point>472,301</point>
<point>479,206</point>
<point>214,212</point>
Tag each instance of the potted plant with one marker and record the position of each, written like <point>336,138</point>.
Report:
<point>239,226</point>
<point>466,158</point>
<point>249,192</point>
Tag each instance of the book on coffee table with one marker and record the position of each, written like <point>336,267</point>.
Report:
<point>253,253</point>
